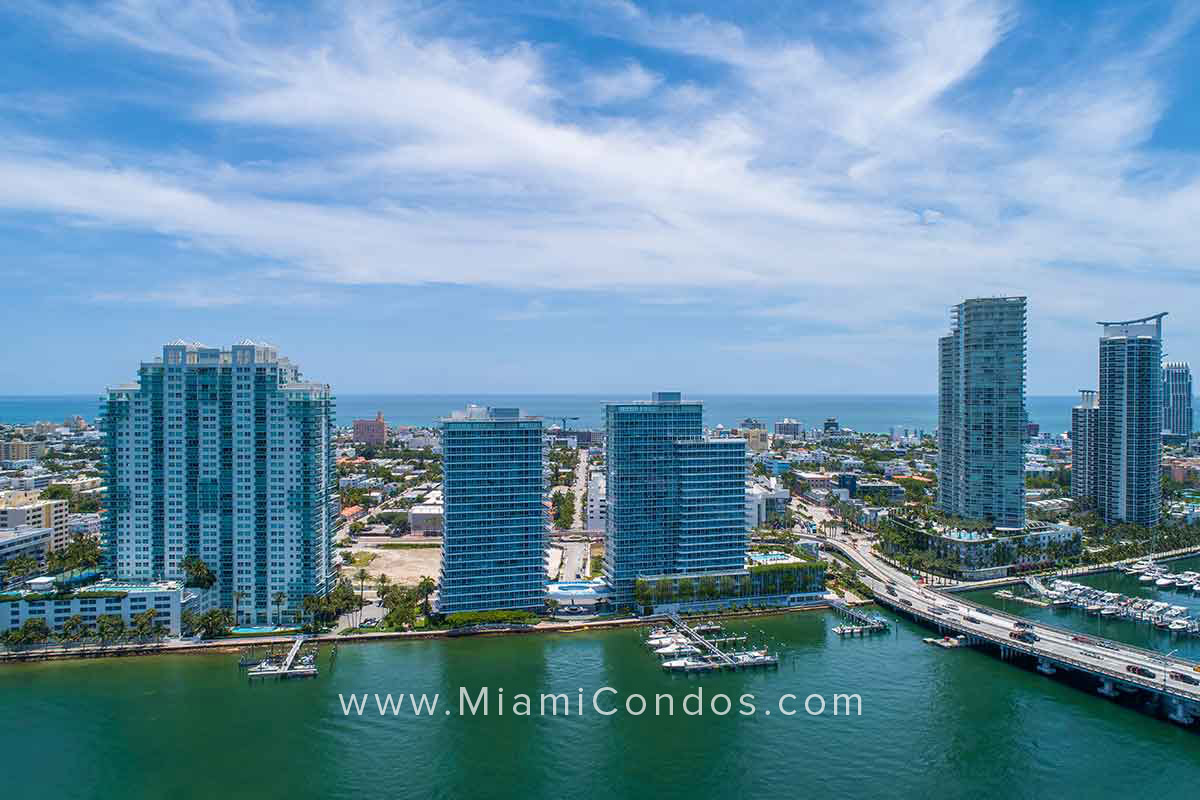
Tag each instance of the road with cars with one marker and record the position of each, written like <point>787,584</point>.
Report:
<point>1055,646</point>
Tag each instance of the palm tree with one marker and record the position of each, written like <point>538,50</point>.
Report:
<point>425,587</point>
<point>553,606</point>
<point>362,575</point>
<point>381,585</point>
<point>310,606</point>
<point>279,599</point>
<point>237,598</point>
<point>73,628</point>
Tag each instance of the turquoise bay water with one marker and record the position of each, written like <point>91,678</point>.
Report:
<point>935,723</point>
<point>871,413</point>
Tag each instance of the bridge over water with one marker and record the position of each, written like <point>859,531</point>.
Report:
<point>1117,668</point>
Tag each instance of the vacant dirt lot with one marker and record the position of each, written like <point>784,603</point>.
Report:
<point>402,566</point>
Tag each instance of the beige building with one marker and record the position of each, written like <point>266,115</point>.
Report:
<point>24,508</point>
<point>756,439</point>
<point>18,450</point>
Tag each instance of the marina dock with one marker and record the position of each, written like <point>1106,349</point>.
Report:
<point>296,664</point>
<point>862,624</point>
<point>688,650</point>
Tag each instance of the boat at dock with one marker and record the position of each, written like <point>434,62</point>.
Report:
<point>684,648</point>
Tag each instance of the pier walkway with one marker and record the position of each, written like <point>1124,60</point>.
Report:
<point>700,642</point>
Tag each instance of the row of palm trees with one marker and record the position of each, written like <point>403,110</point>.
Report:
<point>108,629</point>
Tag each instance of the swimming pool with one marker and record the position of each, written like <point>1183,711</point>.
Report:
<point>262,629</point>
<point>769,558</point>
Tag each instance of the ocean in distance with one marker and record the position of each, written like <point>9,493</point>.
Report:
<point>871,413</point>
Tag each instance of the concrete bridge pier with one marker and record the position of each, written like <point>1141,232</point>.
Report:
<point>1182,711</point>
<point>1045,667</point>
<point>1107,688</point>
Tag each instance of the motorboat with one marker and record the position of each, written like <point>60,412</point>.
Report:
<point>1165,581</point>
<point>681,649</point>
<point>1109,611</point>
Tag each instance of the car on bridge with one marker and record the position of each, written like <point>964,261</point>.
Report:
<point>1183,677</point>
<point>1138,669</point>
<point>1028,637</point>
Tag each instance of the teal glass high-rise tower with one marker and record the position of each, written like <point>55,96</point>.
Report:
<point>1129,436</point>
<point>1177,399</point>
<point>981,412</point>
<point>676,500</point>
<point>228,456</point>
<point>494,490</point>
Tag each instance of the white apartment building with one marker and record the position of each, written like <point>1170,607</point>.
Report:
<point>226,455</point>
<point>597,501</point>
<point>92,602</point>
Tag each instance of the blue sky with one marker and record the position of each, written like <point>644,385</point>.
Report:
<point>592,196</point>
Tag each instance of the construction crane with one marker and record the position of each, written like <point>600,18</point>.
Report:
<point>564,422</point>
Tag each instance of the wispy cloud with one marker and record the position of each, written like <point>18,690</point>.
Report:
<point>897,161</point>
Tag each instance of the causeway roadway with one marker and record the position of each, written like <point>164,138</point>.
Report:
<point>1118,667</point>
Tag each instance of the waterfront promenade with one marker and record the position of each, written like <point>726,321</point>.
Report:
<point>91,650</point>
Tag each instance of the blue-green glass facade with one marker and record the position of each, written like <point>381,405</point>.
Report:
<point>676,500</point>
<point>494,491</point>
<point>981,412</point>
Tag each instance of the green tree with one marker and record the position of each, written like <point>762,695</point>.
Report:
<point>238,597</point>
<point>552,604</point>
<point>425,587</point>
<point>363,576</point>
<point>687,588</point>
<point>642,593</point>
<point>35,631</point>
<point>215,623</point>
<point>188,622</point>
<point>279,599</point>
<point>19,567</point>
<point>110,628</point>
<point>73,629</point>
<point>143,623</point>
<point>80,553</point>
<point>563,504</point>
<point>197,573</point>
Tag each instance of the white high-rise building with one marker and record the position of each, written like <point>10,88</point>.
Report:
<point>1177,398</point>
<point>226,455</point>
<point>1085,423</point>
<point>597,501</point>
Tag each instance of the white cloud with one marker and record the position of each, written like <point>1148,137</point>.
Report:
<point>633,82</point>
<point>801,166</point>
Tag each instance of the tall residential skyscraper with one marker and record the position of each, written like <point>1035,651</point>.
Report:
<point>1085,426</point>
<point>226,455</point>
<point>981,412</point>
<point>495,525</point>
<point>1177,398</point>
<point>1129,437</point>
<point>676,499</point>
